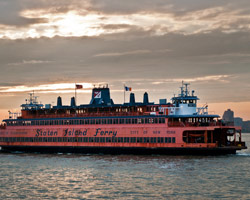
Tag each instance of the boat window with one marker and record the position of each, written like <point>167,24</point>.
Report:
<point>91,139</point>
<point>66,122</point>
<point>128,121</point>
<point>125,140</point>
<point>133,140</point>
<point>97,139</point>
<point>155,120</point>
<point>109,121</point>
<point>115,121</point>
<point>107,139</point>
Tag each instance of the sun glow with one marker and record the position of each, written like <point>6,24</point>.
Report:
<point>47,88</point>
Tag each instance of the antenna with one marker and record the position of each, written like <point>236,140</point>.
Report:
<point>186,91</point>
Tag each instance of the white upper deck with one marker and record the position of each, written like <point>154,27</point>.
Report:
<point>186,104</point>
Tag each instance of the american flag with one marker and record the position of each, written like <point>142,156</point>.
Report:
<point>78,86</point>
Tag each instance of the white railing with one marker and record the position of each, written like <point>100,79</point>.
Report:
<point>179,111</point>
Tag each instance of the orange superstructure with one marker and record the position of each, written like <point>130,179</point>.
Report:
<point>131,128</point>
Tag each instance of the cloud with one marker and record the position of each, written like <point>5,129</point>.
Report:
<point>218,78</point>
<point>11,11</point>
<point>123,53</point>
<point>31,62</point>
<point>146,44</point>
<point>139,53</point>
<point>35,19</point>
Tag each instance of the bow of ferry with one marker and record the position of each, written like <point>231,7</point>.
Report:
<point>177,127</point>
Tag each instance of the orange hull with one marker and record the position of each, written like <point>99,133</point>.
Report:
<point>129,136</point>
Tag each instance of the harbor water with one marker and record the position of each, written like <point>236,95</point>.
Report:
<point>71,176</point>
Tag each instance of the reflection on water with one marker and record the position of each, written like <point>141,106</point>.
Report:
<point>70,176</point>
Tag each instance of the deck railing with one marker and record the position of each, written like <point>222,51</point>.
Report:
<point>96,114</point>
<point>195,124</point>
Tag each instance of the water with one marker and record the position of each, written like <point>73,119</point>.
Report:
<point>69,176</point>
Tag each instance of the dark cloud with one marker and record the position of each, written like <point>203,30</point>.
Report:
<point>176,7</point>
<point>103,59</point>
<point>116,26</point>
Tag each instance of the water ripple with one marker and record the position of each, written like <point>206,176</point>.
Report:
<point>69,176</point>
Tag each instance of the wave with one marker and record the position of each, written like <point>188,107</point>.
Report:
<point>243,154</point>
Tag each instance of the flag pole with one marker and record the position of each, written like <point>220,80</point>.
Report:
<point>124,92</point>
<point>75,92</point>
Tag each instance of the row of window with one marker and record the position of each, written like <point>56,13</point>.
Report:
<point>153,120</point>
<point>91,139</point>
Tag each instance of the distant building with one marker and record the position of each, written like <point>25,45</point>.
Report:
<point>238,121</point>
<point>246,127</point>
<point>228,116</point>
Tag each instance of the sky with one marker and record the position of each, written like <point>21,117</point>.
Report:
<point>47,46</point>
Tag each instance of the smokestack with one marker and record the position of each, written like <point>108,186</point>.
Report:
<point>145,98</point>
<point>59,101</point>
<point>73,102</point>
<point>132,98</point>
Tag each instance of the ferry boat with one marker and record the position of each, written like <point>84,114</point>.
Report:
<point>103,127</point>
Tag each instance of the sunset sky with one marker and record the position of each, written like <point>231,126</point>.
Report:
<point>149,45</point>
